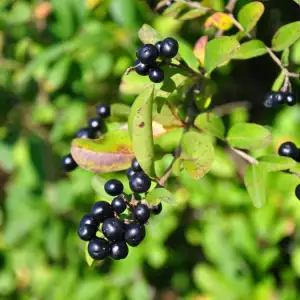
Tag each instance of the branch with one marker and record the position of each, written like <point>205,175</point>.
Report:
<point>231,5</point>
<point>250,159</point>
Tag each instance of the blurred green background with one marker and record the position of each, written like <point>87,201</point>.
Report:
<point>58,59</point>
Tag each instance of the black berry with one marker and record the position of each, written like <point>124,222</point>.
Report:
<point>156,75</point>
<point>101,211</point>
<point>98,248</point>
<point>135,165</point>
<point>279,97</point>
<point>88,220</point>
<point>142,213</point>
<point>113,229</point>
<point>297,191</point>
<point>158,46</point>
<point>129,173</point>
<point>119,205</point>
<point>169,48</point>
<point>270,100</point>
<point>290,99</point>
<point>139,182</point>
<point>113,187</point>
<point>68,163</point>
<point>288,149</point>
<point>95,124</point>
<point>87,232</point>
<point>141,69</point>
<point>103,110</point>
<point>134,234</point>
<point>156,209</point>
<point>118,250</point>
<point>147,54</point>
<point>85,133</point>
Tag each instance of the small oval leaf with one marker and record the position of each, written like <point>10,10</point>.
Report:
<point>250,14</point>
<point>274,163</point>
<point>255,182</point>
<point>159,195</point>
<point>197,154</point>
<point>286,36</point>
<point>249,136</point>
<point>211,123</point>
<point>220,20</point>
<point>250,49</point>
<point>149,35</point>
<point>199,49</point>
<point>193,14</point>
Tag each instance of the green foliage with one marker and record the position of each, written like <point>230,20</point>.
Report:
<point>250,49</point>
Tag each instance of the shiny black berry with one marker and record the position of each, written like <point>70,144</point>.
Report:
<point>88,220</point>
<point>270,100</point>
<point>129,173</point>
<point>156,209</point>
<point>158,45</point>
<point>279,97</point>
<point>85,133</point>
<point>139,183</point>
<point>169,48</point>
<point>103,110</point>
<point>113,187</point>
<point>147,54</point>
<point>118,250</point>
<point>288,149</point>
<point>87,232</point>
<point>101,211</point>
<point>113,229</point>
<point>297,191</point>
<point>95,124</point>
<point>68,163</point>
<point>141,69</point>
<point>135,165</point>
<point>156,75</point>
<point>134,234</point>
<point>98,248</point>
<point>119,205</point>
<point>290,99</point>
<point>142,213</point>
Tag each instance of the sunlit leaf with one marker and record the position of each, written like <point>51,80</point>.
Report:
<point>159,195</point>
<point>199,49</point>
<point>250,14</point>
<point>193,14</point>
<point>250,49</point>
<point>220,20</point>
<point>148,35</point>
<point>274,163</point>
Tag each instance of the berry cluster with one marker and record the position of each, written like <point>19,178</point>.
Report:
<point>148,54</point>
<point>91,132</point>
<point>118,230</point>
<point>274,98</point>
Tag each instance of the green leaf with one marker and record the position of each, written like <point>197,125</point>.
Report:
<point>133,83</point>
<point>255,181</point>
<point>112,152</point>
<point>148,35</point>
<point>168,117</point>
<point>250,49</point>
<point>219,51</point>
<point>119,110</point>
<point>168,141</point>
<point>274,163</point>
<point>197,154</point>
<point>285,56</point>
<point>186,53</point>
<point>140,127</point>
<point>193,14</point>
<point>250,14</point>
<point>278,82</point>
<point>211,123</point>
<point>297,1</point>
<point>286,36</point>
<point>174,10</point>
<point>159,195</point>
<point>124,12</point>
<point>249,136</point>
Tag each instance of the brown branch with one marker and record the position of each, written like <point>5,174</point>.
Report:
<point>231,5</point>
<point>250,159</point>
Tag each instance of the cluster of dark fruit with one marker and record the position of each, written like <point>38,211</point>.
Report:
<point>148,54</point>
<point>274,98</point>
<point>91,132</point>
<point>117,232</point>
<point>289,149</point>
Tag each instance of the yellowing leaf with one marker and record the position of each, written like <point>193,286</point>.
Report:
<point>199,49</point>
<point>219,20</point>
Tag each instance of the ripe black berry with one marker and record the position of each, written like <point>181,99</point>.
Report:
<point>279,97</point>
<point>158,45</point>
<point>118,250</point>
<point>297,191</point>
<point>129,173</point>
<point>147,54</point>
<point>68,163</point>
<point>156,209</point>
<point>98,248</point>
<point>113,229</point>
<point>156,74</point>
<point>95,124</point>
<point>135,165</point>
<point>113,187</point>
<point>288,149</point>
<point>270,100</point>
<point>142,213</point>
<point>141,69</point>
<point>139,182</point>
<point>103,110</point>
<point>134,234</point>
<point>101,211</point>
<point>290,99</point>
<point>88,220</point>
<point>169,48</point>
<point>85,133</point>
<point>87,232</point>
<point>119,205</point>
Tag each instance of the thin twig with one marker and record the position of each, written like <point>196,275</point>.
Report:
<point>231,5</point>
<point>250,159</point>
